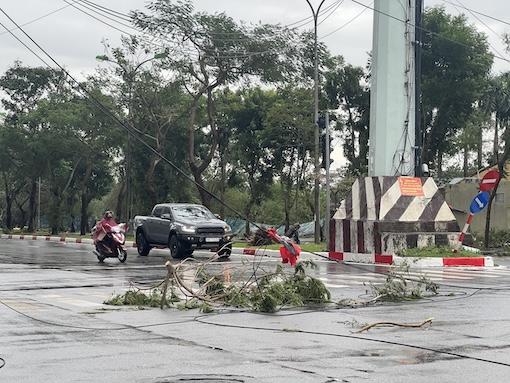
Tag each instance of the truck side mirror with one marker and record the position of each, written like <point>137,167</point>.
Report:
<point>165,216</point>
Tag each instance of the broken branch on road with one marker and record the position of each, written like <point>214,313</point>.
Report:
<point>369,326</point>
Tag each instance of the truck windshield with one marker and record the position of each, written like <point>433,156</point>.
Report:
<point>191,211</point>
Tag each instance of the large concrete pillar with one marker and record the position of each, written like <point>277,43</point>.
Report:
<point>392,99</point>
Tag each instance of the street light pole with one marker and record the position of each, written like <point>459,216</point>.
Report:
<point>316,121</point>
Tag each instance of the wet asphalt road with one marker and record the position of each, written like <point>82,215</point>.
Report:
<point>55,327</point>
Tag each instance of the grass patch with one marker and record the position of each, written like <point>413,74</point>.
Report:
<point>437,252</point>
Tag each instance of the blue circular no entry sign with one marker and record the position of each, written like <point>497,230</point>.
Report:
<point>479,202</point>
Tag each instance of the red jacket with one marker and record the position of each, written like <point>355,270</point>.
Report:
<point>107,224</point>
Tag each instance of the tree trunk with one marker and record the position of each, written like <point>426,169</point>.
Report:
<point>439,167</point>
<point>223,166</point>
<point>465,164</point>
<point>479,156</point>
<point>8,204</point>
<point>120,199</point>
<point>32,207</point>
<point>84,224</point>
<point>149,178</point>
<point>428,138</point>
<point>495,143</point>
<point>84,218</point>
<point>197,170</point>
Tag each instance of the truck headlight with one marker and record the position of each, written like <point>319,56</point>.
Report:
<point>188,229</point>
<point>226,229</point>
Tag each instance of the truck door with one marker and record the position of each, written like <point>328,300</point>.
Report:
<point>164,225</point>
<point>153,225</point>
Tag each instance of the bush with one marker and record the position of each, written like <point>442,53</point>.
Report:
<point>498,238</point>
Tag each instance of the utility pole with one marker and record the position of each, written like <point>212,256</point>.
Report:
<point>327,215</point>
<point>418,172</point>
<point>317,168</point>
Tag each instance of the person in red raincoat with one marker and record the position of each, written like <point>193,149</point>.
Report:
<point>106,224</point>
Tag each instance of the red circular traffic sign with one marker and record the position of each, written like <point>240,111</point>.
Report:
<point>489,180</point>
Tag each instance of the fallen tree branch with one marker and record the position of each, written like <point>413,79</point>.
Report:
<point>369,326</point>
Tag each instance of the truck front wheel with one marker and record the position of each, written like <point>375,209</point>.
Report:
<point>142,246</point>
<point>176,248</point>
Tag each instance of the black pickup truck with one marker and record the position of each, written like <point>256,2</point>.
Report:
<point>182,227</point>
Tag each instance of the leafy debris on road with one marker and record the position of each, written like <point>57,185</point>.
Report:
<point>188,284</point>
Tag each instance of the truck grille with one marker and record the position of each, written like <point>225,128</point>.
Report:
<point>210,230</point>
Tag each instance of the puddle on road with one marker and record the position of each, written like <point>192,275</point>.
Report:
<point>413,356</point>
<point>388,356</point>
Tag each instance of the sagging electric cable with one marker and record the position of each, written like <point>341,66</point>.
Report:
<point>356,337</point>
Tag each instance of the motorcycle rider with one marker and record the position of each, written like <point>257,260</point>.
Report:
<point>106,223</point>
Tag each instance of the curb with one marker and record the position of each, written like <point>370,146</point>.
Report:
<point>50,238</point>
<point>484,261</point>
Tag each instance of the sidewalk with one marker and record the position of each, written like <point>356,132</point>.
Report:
<point>481,261</point>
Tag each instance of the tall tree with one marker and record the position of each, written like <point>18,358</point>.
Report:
<point>288,136</point>
<point>455,67</point>
<point>90,143</point>
<point>25,87</point>
<point>209,52</point>
<point>155,108</point>
<point>346,89</point>
<point>244,113</point>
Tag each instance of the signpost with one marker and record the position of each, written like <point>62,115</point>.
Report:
<point>488,181</point>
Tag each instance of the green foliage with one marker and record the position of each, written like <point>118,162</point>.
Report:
<point>214,284</point>
<point>399,286</point>
<point>189,305</point>
<point>206,307</point>
<point>498,239</point>
<point>345,86</point>
<point>279,289</point>
<point>455,65</point>
<point>137,298</point>
<point>268,293</point>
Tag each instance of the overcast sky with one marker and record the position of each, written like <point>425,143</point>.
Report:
<point>73,36</point>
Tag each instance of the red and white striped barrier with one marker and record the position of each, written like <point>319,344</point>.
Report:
<point>411,261</point>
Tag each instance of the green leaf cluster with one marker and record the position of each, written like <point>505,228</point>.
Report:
<point>134,297</point>
<point>400,286</point>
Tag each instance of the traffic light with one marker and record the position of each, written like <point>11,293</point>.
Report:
<point>326,150</point>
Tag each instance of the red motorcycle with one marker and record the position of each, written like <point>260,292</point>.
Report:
<point>110,241</point>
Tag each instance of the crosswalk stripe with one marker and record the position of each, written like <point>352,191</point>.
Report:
<point>433,275</point>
